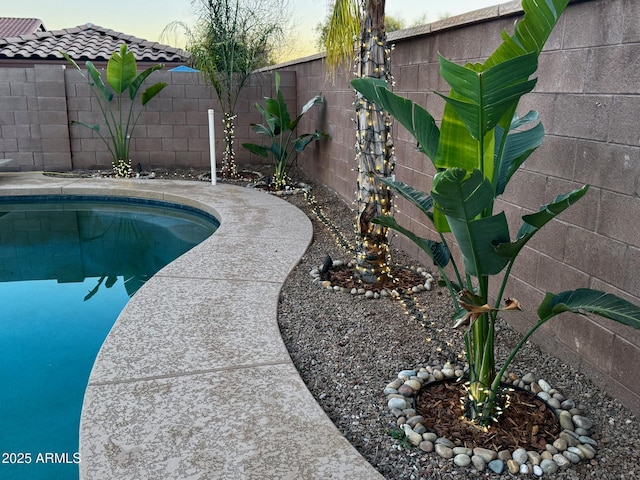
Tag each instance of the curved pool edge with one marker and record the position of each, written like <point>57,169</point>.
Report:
<point>194,380</point>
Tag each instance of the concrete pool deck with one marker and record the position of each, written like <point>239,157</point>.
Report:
<point>194,380</point>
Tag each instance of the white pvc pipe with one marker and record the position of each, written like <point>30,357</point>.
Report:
<point>212,147</point>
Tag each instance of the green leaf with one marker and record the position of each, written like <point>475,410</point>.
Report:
<point>271,121</point>
<point>517,122</point>
<point>257,149</point>
<point>276,108</point>
<point>313,101</point>
<point>420,199</point>
<point>457,148</point>
<point>278,115</point>
<point>458,288</point>
<point>300,143</point>
<point>262,130</point>
<point>585,300</point>
<point>139,80</point>
<point>483,97</point>
<point>97,81</point>
<point>310,103</point>
<point>437,251</point>
<point>121,69</point>
<point>534,222</point>
<point>278,152</point>
<point>518,146</point>
<point>461,200</point>
<point>412,116</point>
<point>477,240</point>
<point>459,196</point>
<point>284,116</point>
<point>532,32</point>
<point>95,128</point>
<point>559,204</point>
<point>70,60</point>
<point>152,91</point>
<point>261,110</point>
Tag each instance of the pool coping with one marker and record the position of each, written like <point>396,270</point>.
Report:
<point>185,387</point>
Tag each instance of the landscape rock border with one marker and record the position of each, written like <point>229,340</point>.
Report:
<point>572,445</point>
<point>316,276</point>
<point>294,189</point>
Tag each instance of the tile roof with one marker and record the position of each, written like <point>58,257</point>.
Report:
<point>85,42</point>
<point>12,27</point>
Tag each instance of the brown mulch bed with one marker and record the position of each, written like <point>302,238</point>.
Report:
<point>527,423</point>
<point>401,279</point>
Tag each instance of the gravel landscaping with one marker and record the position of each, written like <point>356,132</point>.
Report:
<point>348,348</point>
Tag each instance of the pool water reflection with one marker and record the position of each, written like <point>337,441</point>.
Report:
<point>66,272</point>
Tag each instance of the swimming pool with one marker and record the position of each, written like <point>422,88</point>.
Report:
<point>68,265</point>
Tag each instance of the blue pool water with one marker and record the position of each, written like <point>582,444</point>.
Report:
<point>66,271</point>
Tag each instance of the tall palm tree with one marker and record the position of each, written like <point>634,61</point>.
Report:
<point>364,20</point>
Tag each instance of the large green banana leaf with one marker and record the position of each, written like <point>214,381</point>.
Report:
<point>276,108</point>
<point>278,151</point>
<point>457,148</point>
<point>420,199</point>
<point>437,251</point>
<point>150,92</point>
<point>478,100</point>
<point>300,143</point>
<point>270,129</point>
<point>534,222</point>
<point>121,69</point>
<point>512,153</point>
<point>262,130</point>
<point>412,116</point>
<point>483,97</point>
<point>257,149</point>
<point>460,196</point>
<point>585,300</point>
<point>310,103</point>
<point>530,33</point>
<point>462,199</point>
<point>97,80</point>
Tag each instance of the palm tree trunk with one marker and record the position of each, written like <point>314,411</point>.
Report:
<point>374,151</point>
<point>229,169</point>
<point>228,90</point>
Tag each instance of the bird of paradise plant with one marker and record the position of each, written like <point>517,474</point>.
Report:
<point>279,127</point>
<point>121,77</point>
<point>480,144</point>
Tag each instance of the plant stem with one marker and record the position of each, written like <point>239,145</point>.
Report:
<point>495,386</point>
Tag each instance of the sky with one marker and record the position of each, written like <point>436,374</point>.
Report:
<point>148,19</point>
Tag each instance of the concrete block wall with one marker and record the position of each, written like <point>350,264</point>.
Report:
<point>33,119</point>
<point>588,94</point>
<point>173,130</point>
<point>38,106</point>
